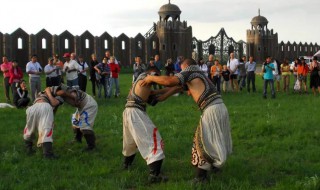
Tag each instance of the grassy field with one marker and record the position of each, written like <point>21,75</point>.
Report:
<point>276,145</point>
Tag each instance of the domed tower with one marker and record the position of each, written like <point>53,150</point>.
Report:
<point>261,41</point>
<point>175,37</point>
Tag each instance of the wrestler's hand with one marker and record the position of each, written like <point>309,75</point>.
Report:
<point>146,81</point>
<point>48,90</point>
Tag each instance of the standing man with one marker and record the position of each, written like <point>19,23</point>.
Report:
<point>34,69</point>
<point>209,64</point>
<point>51,74</point>
<point>267,69</point>
<point>5,68</point>
<point>59,66</point>
<point>157,62</point>
<point>107,55</point>
<point>251,76</point>
<point>138,68</point>
<point>232,65</point>
<point>212,141</point>
<point>93,78</point>
<point>82,75</point>
<point>70,67</point>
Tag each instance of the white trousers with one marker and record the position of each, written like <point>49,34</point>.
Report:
<point>140,133</point>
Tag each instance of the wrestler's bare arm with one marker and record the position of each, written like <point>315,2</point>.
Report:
<point>169,92</point>
<point>162,80</point>
<point>54,102</point>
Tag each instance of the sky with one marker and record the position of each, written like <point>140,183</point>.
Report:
<point>293,20</point>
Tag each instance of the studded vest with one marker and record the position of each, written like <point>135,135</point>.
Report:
<point>134,101</point>
<point>210,92</point>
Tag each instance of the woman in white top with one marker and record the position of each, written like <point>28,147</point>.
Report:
<point>82,75</point>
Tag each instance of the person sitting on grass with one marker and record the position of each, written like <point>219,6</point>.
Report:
<point>20,96</point>
<point>40,117</point>
<point>212,141</point>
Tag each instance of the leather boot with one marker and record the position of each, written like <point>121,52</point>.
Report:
<point>201,176</point>
<point>154,175</point>
<point>77,135</point>
<point>128,161</point>
<point>29,149</point>
<point>48,151</point>
<point>90,138</point>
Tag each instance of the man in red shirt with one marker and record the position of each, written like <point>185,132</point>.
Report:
<point>115,70</point>
<point>5,68</point>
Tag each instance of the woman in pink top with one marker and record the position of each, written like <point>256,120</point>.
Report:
<point>5,67</point>
<point>15,76</point>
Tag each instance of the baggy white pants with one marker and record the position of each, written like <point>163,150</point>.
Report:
<point>212,142</point>
<point>40,118</point>
<point>140,133</point>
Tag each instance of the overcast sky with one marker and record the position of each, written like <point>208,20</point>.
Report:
<point>293,20</point>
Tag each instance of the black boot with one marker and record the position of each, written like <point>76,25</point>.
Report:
<point>48,151</point>
<point>29,149</point>
<point>90,138</point>
<point>201,176</point>
<point>128,161</point>
<point>77,135</point>
<point>154,175</point>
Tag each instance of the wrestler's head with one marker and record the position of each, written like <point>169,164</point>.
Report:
<point>187,62</point>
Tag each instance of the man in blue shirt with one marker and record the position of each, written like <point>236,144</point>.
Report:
<point>267,69</point>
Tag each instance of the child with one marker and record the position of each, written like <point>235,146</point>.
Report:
<point>226,77</point>
<point>20,96</point>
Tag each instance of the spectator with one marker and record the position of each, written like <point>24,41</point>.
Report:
<point>157,62</point>
<point>277,73</point>
<point>138,68</point>
<point>169,67</point>
<point>216,73</point>
<point>50,70</point>
<point>267,69</point>
<point>5,68</point>
<point>242,73</point>
<point>20,96</point>
<point>59,66</point>
<point>93,78</point>
<point>232,65</point>
<point>226,77</point>
<point>209,64</point>
<point>314,76</point>
<point>70,67</point>
<point>115,70</point>
<point>285,70</point>
<point>16,75</point>
<point>153,68</point>
<point>203,66</point>
<point>302,73</point>
<point>82,75</point>
<point>103,70</point>
<point>34,69</point>
<point>108,56</point>
<point>177,64</point>
<point>251,69</point>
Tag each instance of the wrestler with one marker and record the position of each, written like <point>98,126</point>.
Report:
<point>212,141</point>
<point>139,132</point>
<point>83,119</point>
<point>40,117</point>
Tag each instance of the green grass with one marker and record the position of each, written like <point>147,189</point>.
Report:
<point>275,146</point>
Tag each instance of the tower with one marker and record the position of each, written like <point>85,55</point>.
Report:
<point>175,37</point>
<point>261,41</point>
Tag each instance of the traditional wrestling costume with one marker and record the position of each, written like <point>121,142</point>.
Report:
<point>83,119</point>
<point>40,117</point>
<point>140,133</point>
<point>212,141</point>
